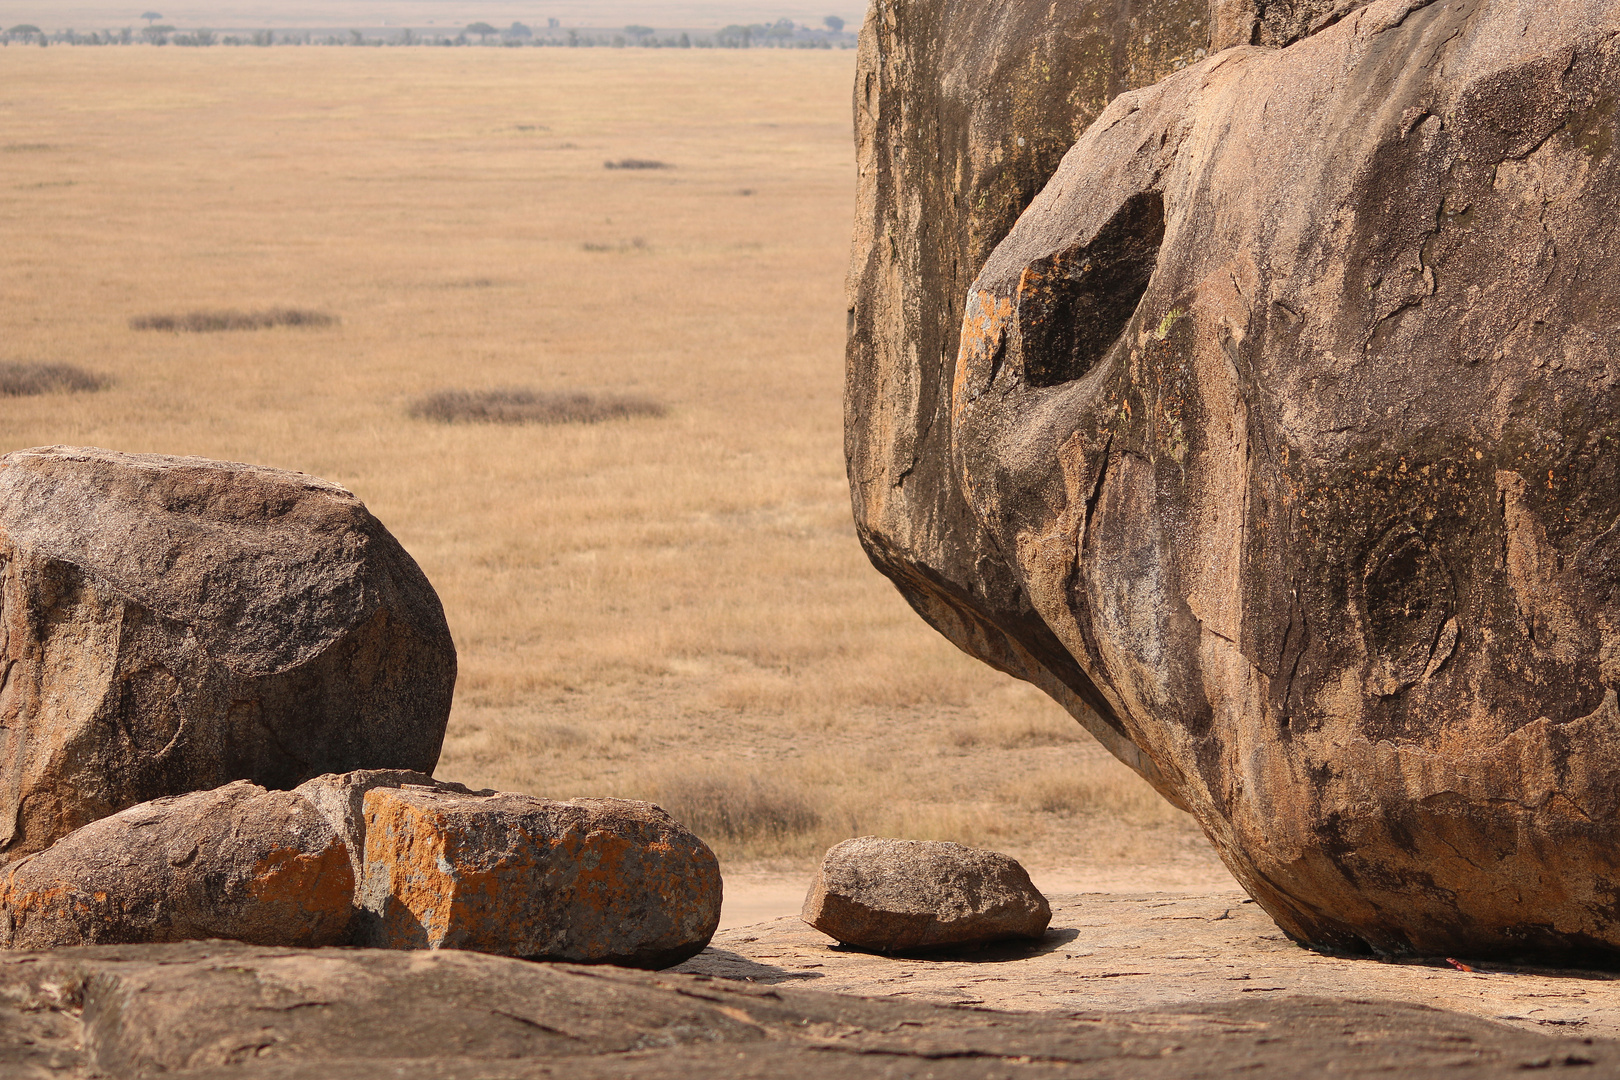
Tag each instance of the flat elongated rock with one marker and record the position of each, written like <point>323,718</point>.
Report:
<point>173,624</point>
<point>223,1011</point>
<point>593,880</point>
<point>238,862</point>
<point>899,895</point>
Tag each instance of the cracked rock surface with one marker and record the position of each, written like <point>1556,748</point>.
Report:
<point>1280,442</point>
<point>221,1011</point>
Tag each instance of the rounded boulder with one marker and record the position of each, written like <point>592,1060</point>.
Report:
<point>901,895</point>
<point>174,624</point>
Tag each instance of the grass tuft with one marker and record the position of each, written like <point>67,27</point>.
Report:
<point>207,322</point>
<point>26,380</point>
<point>1092,788</point>
<point>1016,730</point>
<point>635,243</point>
<point>636,163</point>
<point>519,406</point>
<point>735,808</point>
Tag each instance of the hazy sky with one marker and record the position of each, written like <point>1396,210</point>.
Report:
<point>233,14</point>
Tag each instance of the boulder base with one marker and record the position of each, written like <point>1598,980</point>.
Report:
<point>899,895</point>
<point>592,880</point>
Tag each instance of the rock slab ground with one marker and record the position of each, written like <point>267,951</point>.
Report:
<point>173,624</point>
<point>890,895</point>
<point>221,1010</point>
<point>590,880</point>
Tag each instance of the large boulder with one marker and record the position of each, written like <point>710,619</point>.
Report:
<point>1279,444</point>
<point>588,880</point>
<point>963,111</point>
<point>173,624</point>
<point>237,862</point>
<point>888,895</point>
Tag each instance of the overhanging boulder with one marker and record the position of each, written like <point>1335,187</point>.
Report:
<point>1278,444</point>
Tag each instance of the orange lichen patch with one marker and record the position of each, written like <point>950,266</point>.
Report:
<point>315,882</point>
<point>984,322</point>
<point>404,862</point>
<point>984,328</point>
<point>66,914</point>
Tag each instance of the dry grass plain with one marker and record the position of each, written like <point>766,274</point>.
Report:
<point>670,607</point>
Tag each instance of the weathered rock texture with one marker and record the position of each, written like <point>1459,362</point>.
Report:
<point>1273,23</point>
<point>592,880</point>
<point>238,862</point>
<point>1280,446</point>
<point>899,895</point>
<point>173,624</point>
<point>219,1011</point>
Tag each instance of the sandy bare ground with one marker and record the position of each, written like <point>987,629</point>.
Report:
<point>1121,951</point>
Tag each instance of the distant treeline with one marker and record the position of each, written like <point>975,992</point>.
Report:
<point>782,34</point>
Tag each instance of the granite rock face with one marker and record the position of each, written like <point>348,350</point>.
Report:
<point>1279,445</point>
<point>590,880</point>
<point>238,862</point>
<point>900,895</point>
<point>1273,23</point>
<point>173,624</point>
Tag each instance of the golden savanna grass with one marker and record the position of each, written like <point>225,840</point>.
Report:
<point>668,605</point>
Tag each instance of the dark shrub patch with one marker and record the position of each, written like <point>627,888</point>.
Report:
<point>636,163</point>
<point>518,406</point>
<point>25,380</point>
<point>205,322</point>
